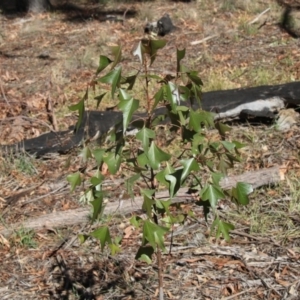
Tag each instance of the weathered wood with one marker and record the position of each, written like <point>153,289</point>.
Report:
<point>80,215</point>
<point>261,101</point>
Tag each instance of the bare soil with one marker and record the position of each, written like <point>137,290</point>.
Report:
<point>51,58</point>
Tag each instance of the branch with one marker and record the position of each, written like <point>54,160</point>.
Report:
<point>78,216</point>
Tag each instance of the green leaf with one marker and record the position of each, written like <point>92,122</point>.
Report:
<point>95,181</point>
<point>222,128</point>
<point>212,193</point>
<point>136,221</point>
<point>163,205</point>
<point>223,165</point>
<point>142,160</point>
<point>222,227</point>
<point>145,253</point>
<point>144,135</point>
<point>147,192</point>
<point>102,234</point>
<point>241,192</point>
<point>129,184</point>
<point>97,204</point>
<point>98,155</point>
<point>80,107</point>
<point>128,107</point>
<point>160,176</point>
<point>113,162</point>
<point>195,121</point>
<point>206,118</point>
<point>172,184</point>
<point>154,235</point>
<point>148,205</point>
<point>174,180</point>
<point>193,76</point>
<point>173,95</point>
<point>123,95</point>
<point>82,238</point>
<point>104,61</point>
<point>74,180</point>
<point>117,53</point>
<point>114,249</point>
<point>180,54</point>
<point>216,178</point>
<point>227,145</point>
<point>85,154</point>
<point>238,145</point>
<point>156,156</point>
<point>113,78</point>
<point>149,47</point>
<point>99,99</point>
<point>158,97</point>
<point>130,80</point>
<point>189,165</point>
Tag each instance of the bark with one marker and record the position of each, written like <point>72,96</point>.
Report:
<point>80,215</point>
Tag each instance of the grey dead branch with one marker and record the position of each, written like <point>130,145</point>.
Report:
<point>78,216</point>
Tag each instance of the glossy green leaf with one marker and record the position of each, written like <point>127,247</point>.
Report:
<point>102,234</point>
<point>136,221</point>
<point>99,99</point>
<point>173,96</point>
<point>104,61</point>
<point>97,204</point>
<point>142,160</point>
<point>189,165</point>
<point>156,156</point>
<point>228,145</point>
<point>154,235</point>
<point>113,162</point>
<point>216,178</point>
<point>74,180</point>
<point>158,97</point>
<point>172,184</point>
<point>128,107</point>
<point>238,145</point>
<point>124,95</point>
<point>112,78</point>
<point>241,192</point>
<point>117,53</point>
<point>212,193</point>
<point>147,206</point>
<point>85,154</point>
<point>180,54</point>
<point>144,135</point>
<point>98,155</point>
<point>145,253</point>
<point>80,108</point>
<point>130,182</point>
<point>222,228</point>
<point>130,80</point>
<point>195,121</point>
<point>155,45</point>
<point>114,249</point>
<point>193,76</point>
<point>160,176</point>
<point>222,128</point>
<point>174,180</point>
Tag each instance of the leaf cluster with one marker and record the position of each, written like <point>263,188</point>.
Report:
<point>198,161</point>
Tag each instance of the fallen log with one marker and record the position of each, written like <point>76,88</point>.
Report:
<point>79,216</point>
<point>245,103</point>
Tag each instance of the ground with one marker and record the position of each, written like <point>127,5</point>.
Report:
<point>50,59</point>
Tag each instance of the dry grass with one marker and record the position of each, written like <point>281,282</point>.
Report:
<point>241,55</point>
